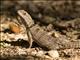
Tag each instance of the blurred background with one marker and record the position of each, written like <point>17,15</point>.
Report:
<point>46,11</point>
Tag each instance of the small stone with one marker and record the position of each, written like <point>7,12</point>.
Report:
<point>4,26</point>
<point>21,51</point>
<point>53,54</point>
<point>48,57</point>
<point>34,53</point>
<point>40,53</point>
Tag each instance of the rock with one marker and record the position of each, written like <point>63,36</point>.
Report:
<point>53,53</point>
<point>40,53</point>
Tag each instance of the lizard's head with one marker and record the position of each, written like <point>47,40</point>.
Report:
<point>26,17</point>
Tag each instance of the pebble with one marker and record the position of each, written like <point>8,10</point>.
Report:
<point>53,53</point>
<point>40,53</point>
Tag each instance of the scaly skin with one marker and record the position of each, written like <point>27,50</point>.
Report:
<point>42,38</point>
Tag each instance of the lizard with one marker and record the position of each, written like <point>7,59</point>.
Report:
<point>42,38</point>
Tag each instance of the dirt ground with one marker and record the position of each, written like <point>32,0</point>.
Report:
<point>61,17</point>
